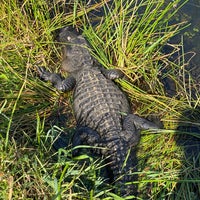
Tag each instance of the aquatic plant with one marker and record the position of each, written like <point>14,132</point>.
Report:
<point>129,35</point>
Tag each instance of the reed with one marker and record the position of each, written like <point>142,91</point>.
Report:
<point>130,35</point>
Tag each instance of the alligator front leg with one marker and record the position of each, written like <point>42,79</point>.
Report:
<point>58,82</point>
<point>112,74</point>
<point>87,136</point>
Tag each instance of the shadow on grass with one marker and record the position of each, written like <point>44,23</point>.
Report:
<point>188,139</point>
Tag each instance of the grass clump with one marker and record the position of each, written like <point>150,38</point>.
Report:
<point>130,35</point>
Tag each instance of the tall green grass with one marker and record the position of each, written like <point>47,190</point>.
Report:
<point>130,36</point>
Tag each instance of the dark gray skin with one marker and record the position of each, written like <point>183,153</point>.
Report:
<point>101,109</point>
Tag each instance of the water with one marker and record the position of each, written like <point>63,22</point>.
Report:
<point>189,13</point>
<point>191,35</point>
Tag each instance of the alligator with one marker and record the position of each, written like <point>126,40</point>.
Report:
<point>101,109</point>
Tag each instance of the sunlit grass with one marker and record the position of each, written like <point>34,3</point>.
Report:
<point>129,36</point>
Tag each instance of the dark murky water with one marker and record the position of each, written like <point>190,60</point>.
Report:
<point>191,35</point>
<point>189,13</point>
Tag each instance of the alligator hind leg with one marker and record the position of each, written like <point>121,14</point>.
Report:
<point>56,79</point>
<point>133,124</point>
<point>85,135</point>
<point>139,122</point>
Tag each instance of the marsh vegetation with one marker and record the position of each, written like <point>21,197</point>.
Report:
<point>131,36</point>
